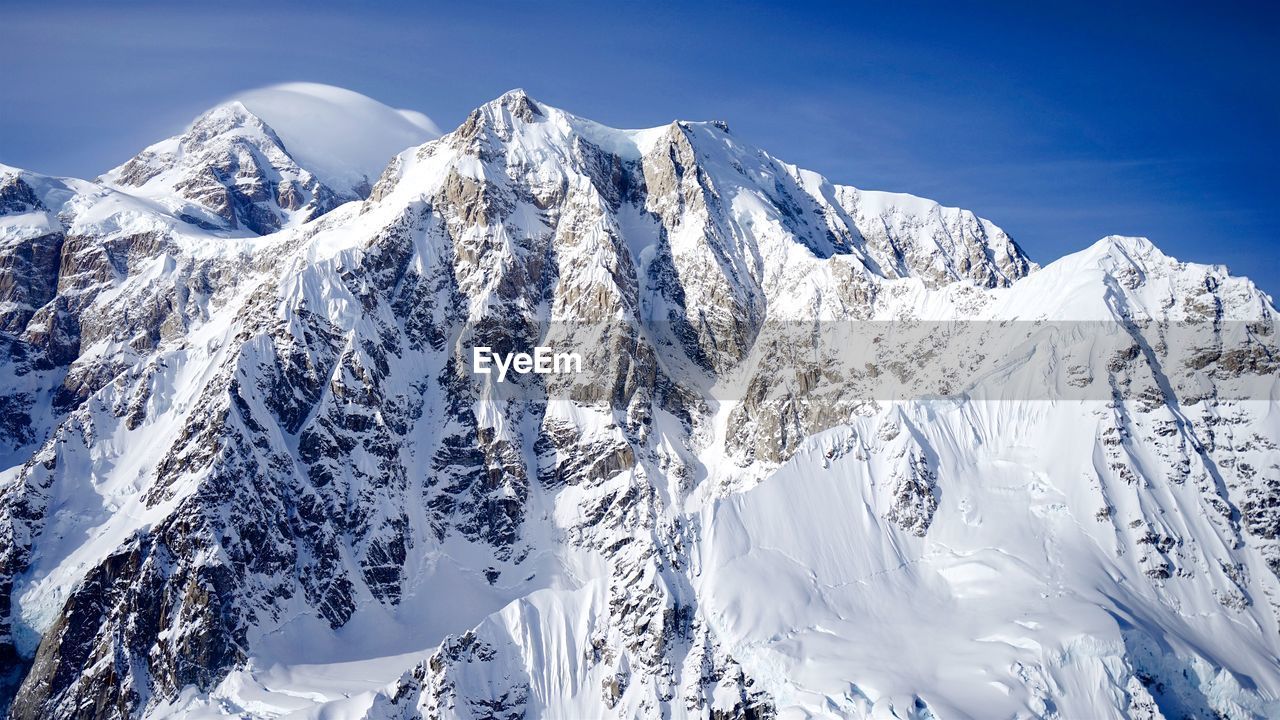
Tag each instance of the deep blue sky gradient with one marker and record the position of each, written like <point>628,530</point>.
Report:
<point>1060,124</point>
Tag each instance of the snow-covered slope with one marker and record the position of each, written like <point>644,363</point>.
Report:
<point>834,453</point>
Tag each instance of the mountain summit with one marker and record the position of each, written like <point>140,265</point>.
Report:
<point>833,452</point>
<point>268,157</point>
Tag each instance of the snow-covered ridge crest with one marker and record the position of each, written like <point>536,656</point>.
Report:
<point>892,235</point>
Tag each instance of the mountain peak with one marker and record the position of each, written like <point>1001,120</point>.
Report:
<point>229,171</point>
<point>271,156</point>
<point>514,94</point>
<point>1121,249</point>
<point>1127,244</point>
<point>517,103</point>
<point>224,118</point>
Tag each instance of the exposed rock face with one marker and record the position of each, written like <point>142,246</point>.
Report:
<point>17,197</point>
<point>28,267</point>
<point>224,450</point>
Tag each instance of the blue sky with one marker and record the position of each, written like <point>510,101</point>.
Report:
<point>1060,124</point>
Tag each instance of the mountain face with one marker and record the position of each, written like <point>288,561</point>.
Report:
<point>833,453</point>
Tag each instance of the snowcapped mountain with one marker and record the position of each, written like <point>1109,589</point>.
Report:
<point>834,453</point>
<point>273,156</point>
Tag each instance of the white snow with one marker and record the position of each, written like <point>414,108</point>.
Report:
<point>341,136</point>
<point>1017,579</point>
